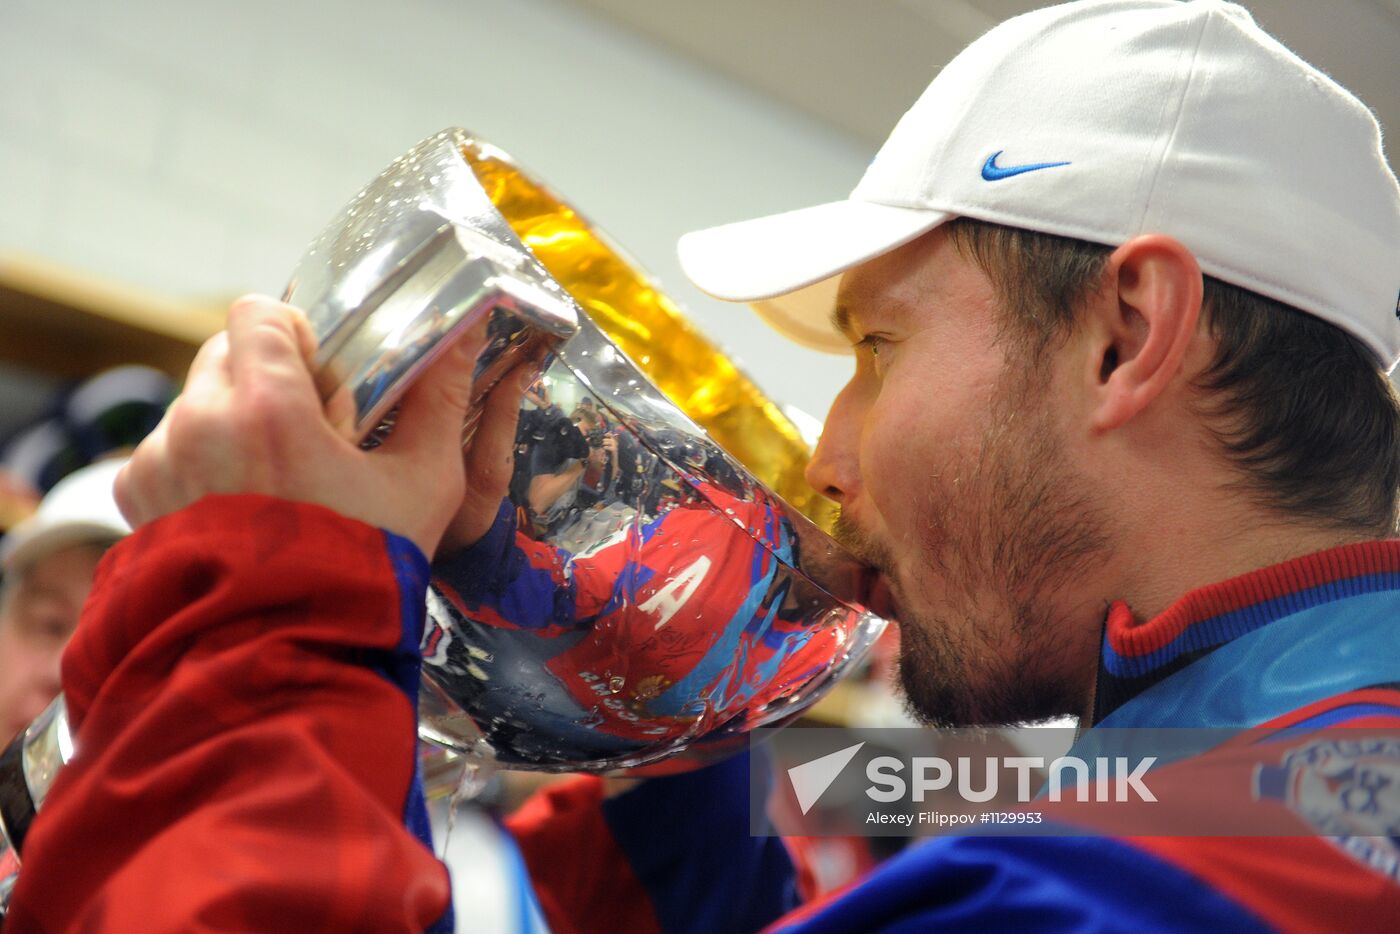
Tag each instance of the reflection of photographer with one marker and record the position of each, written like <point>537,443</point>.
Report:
<point>549,452</point>
<point>600,470</point>
<point>549,459</point>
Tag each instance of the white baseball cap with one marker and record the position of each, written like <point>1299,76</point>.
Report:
<point>1102,120</point>
<point>80,508</point>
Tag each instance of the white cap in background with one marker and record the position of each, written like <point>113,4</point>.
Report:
<point>80,508</point>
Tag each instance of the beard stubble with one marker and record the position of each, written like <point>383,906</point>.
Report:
<point>988,649</point>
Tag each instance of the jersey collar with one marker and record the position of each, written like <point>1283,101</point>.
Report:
<point>1138,654</point>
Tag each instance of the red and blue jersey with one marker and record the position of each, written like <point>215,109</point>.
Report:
<point>1309,644</point>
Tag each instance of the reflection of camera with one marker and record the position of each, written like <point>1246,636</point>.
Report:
<point>596,436</point>
<point>550,439</point>
<point>533,423</point>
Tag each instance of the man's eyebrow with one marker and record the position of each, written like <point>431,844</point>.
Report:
<point>841,320</point>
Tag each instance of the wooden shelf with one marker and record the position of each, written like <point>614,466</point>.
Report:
<point>70,324</point>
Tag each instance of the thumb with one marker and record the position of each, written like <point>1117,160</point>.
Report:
<point>490,458</point>
<point>429,422</point>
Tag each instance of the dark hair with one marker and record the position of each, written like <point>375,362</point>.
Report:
<point>1299,406</point>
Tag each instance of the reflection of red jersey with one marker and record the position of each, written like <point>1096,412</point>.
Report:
<point>666,627</point>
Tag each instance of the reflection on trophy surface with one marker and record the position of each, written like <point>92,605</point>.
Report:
<point>639,592</point>
<point>644,591</point>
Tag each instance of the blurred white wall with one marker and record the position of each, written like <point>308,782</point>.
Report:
<point>195,147</point>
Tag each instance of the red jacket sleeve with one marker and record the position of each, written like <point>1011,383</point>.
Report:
<point>239,688</point>
<point>580,875</point>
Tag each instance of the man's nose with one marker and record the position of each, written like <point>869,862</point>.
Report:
<point>820,475</point>
<point>43,686</point>
<point>832,469</point>
<point>49,675</point>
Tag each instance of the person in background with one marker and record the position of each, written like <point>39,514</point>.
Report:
<point>48,561</point>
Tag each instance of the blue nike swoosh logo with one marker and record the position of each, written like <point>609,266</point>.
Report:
<point>993,172</point>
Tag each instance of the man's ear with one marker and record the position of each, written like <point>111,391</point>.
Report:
<point>1142,321</point>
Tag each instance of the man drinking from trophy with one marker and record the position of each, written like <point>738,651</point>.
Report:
<point>1121,288</point>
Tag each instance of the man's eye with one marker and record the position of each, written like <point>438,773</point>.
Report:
<point>47,626</point>
<point>871,343</point>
